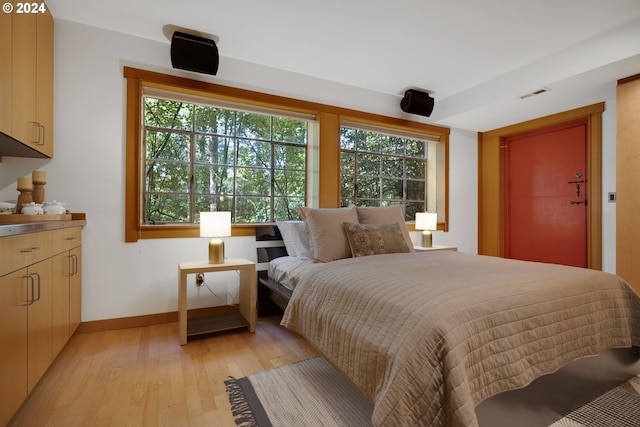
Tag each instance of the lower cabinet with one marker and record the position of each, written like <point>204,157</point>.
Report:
<point>39,311</point>
<point>39,284</point>
<point>75,290</point>
<point>13,340</point>
<point>67,296</point>
<point>26,351</point>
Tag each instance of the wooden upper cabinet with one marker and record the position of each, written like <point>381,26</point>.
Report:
<point>5,72</point>
<point>29,116</point>
<point>23,78</point>
<point>44,81</point>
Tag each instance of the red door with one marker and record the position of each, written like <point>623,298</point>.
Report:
<point>545,196</point>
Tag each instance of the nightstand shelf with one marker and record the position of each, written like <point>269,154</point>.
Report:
<point>216,323</point>
<point>244,317</point>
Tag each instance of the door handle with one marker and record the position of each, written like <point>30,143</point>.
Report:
<point>579,202</point>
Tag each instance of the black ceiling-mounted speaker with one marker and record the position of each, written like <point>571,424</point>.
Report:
<point>416,102</point>
<point>194,53</point>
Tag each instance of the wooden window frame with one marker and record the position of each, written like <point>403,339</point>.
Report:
<point>328,118</point>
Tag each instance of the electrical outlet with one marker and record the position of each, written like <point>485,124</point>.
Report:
<point>200,279</point>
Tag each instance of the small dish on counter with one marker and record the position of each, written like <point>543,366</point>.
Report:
<point>7,208</point>
<point>32,209</point>
<point>54,208</point>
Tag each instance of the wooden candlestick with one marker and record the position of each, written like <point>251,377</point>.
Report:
<point>38,191</point>
<point>25,187</point>
<point>24,197</point>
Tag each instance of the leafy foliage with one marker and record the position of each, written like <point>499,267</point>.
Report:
<point>378,169</point>
<point>205,158</point>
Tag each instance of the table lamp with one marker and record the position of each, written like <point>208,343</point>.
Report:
<point>215,224</point>
<point>426,221</point>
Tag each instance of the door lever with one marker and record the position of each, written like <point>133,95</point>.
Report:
<point>579,202</point>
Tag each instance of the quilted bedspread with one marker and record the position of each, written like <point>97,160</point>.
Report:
<point>427,336</point>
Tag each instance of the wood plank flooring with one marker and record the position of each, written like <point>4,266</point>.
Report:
<point>143,377</point>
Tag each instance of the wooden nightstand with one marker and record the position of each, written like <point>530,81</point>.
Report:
<point>245,317</point>
<point>435,248</point>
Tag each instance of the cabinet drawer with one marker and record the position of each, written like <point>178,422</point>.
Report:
<point>65,239</point>
<point>23,250</point>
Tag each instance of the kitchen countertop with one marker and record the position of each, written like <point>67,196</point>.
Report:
<point>34,227</point>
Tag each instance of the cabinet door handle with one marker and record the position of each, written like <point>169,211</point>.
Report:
<point>39,289</point>
<point>30,299</point>
<point>33,249</point>
<point>44,135</point>
<point>41,133</point>
<point>36,133</point>
<point>73,265</point>
<point>71,238</point>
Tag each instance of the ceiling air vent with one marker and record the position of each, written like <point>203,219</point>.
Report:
<point>537,92</point>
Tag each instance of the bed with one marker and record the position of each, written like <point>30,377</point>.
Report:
<point>429,338</point>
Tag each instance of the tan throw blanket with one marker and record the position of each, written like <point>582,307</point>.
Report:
<point>427,336</point>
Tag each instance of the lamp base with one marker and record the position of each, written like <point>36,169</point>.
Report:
<point>216,251</point>
<point>426,239</point>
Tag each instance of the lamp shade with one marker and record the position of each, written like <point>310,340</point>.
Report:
<point>215,224</point>
<point>426,221</point>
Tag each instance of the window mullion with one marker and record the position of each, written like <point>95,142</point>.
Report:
<point>192,171</point>
<point>236,141</point>
<point>272,171</point>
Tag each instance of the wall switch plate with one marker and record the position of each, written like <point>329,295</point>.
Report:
<point>612,197</point>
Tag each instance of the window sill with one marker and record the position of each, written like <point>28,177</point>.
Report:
<point>170,231</point>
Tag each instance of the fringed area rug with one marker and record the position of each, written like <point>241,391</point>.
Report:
<point>313,393</point>
<point>619,407</point>
<point>306,393</point>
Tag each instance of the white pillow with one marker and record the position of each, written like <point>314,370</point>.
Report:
<point>301,240</point>
<point>285,228</point>
<point>295,239</point>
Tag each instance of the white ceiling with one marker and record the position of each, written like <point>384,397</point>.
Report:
<point>475,57</point>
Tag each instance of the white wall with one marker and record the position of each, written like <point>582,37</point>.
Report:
<point>119,279</point>
<point>463,193</point>
<point>609,182</point>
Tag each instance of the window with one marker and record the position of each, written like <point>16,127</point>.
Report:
<point>237,149</point>
<point>202,157</point>
<point>383,169</point>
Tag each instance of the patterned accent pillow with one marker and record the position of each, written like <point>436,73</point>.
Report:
<point>375,239</point>
<point>385,215</point>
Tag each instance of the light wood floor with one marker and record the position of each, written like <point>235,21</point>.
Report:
<point>143,377</point>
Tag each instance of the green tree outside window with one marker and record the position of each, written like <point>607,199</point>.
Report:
<point>207,158</point>
<point>378,169</point>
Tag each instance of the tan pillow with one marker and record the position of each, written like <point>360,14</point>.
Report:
<point>386,215</point>
<point>375,239</point>
<point>327,238</point>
